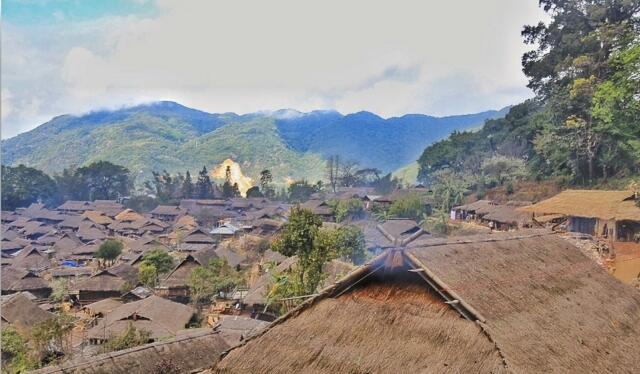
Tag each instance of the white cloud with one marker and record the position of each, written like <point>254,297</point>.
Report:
<point>386,57</point>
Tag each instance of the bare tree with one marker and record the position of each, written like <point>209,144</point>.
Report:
<point>333,171</point>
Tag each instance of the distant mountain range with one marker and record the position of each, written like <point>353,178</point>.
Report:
<point>292,144</point>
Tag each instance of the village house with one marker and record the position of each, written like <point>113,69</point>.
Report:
<point>102,285</point>
<point>162,318</point>
<point>320,208</point>
<point>500,303</point>
<point>167,213</point>
<point>612,215</point>
<point>473,211</point>
<point>189,352</point>
<point>195,240</point>
<point>174,286</point>
<point>22,313</point>
<point>19,280</point>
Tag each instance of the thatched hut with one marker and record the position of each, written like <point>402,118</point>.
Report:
<point>521,303</point>
<point>18,280</point>
<point>99,286</point>
<point>608,214</point>
<point>167,213</point>
<point>507,217</point>
<point>22,313</point>
<point>160,317</point>
<point>174,286</point>
<point>186,353</point>
<point>320,208</point>
<point>30,258</point>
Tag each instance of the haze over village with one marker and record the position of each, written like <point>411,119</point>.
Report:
<point>279,187</point>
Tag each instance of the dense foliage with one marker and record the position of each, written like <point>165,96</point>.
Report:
<point>304,237</point>
<point>109,250</point>
<point>23,185</point>
<point>129,338</point>
<point>582,127</point>
<point>206,282</point>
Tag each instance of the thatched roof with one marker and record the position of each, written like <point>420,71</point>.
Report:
<point>97,217</point>
<point>75,205</point>
<point>607,205</point>
<point>88,232</point>
<point>482,205</point>
<point>538,303</point>
<point>21,312</point>
<point>177,278</point>
<point>103,306</point>
<point>188,352</point>
<point>161,317</point>
<point>233,258</point>
<point>104,281</point>
<point>167,210</point>
<point>14,280</point>
<point>508,215</point>
<point>234,329</point>
<point>198,236</point>
<point>129,215</point>
<point>377,328</point>
<point>29,258</point>
<point>319,207</point>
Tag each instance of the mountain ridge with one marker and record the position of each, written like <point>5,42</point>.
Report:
<point>161,135</point>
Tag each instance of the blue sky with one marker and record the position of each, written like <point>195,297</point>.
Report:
<point>34,12</point>
<point>391,58</point>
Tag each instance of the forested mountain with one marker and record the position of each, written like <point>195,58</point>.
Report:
<point>167,135</point>
<point>583,126</point>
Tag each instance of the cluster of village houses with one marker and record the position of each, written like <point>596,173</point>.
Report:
<point>468,280</point>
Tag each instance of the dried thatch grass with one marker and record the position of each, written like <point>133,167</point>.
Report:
<point>186,353</point>
<point>548,307</point>
<point>590,204</point>
<point>381,327</point>
<point>541,306</point>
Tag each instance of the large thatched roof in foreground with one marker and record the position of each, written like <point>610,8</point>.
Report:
<point>531,301</point>
<point>186,353</point>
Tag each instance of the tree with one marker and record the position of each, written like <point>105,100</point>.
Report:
<point>109,250</point>
<point>300,191</point>
<point>228,189</point>
<point>333,171</point>
<point>23,185</point>
<point>303,237</point>
<point>102,180</point>
<point>16,357</point>
<point>386,184</point>
<point>59,290</point>
<point>204,187</point>
<point>504,169</point>
<point>570,69</point>
<point>348,174</point>
<point>265,184</point>
<point>148,274</point>
<point>187,186</point>
<point>411,206</point>
<point>163,185</point>
<point>206,282</point>
<point>346,242</point>
<point>297,239</point>
<point>130,337</point>
<point>348,209</point>
<point>449,189</point>
<point>254,192</point>
<point>52,337</point>
<point>160,259</point>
